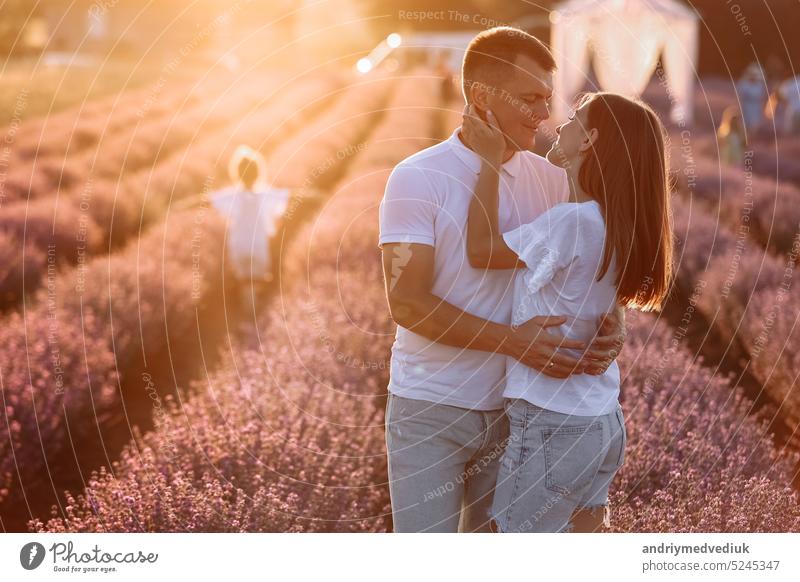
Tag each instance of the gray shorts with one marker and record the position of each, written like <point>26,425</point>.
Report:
<point>443,463</point>
<point>554,464</point>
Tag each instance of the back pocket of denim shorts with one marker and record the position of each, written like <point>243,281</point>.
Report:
<point>572,457</point>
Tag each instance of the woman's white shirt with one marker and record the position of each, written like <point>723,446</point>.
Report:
<point>563,253</point>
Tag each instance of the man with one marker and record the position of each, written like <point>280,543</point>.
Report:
<point>788,94</point>
<point>445,425</point>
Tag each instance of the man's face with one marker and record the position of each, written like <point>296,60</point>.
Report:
<point>520,101</point>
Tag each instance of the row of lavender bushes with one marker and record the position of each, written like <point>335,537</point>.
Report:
<point>742,258</point>
<point>288,437</point>
<point>772,154</point>
<point>142,294</point>
<point>762,207</point>
<point>51,140</point>
<point>123,133</point>
<point>698,459</point>
<point>119,150</point>
<point>66,355</point>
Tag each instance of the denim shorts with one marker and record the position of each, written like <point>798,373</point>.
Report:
<point>553,465</point>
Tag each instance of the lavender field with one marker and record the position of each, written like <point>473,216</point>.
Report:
<point>132,402</point>
<point>138,395</point>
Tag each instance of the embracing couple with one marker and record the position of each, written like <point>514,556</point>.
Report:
<point>508,275</point>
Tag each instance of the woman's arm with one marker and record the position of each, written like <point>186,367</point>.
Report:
<point>486,248</point>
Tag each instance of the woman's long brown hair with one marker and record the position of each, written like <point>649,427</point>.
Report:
<point>626,172</point>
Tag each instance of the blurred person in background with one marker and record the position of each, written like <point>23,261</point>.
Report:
<point>731,137</point>
<point>784,106</point>
<point>252,209</point>
<point>752,92</point>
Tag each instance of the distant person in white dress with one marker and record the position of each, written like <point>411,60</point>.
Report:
<point>253,210</point>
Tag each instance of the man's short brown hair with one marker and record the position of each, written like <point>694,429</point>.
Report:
<point>493,52</point>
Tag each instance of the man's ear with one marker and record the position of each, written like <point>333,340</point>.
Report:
<point>480,98</point>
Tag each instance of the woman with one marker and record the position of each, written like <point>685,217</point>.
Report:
<point>612,242</point>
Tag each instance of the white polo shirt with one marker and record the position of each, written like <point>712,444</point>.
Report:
<point>427,201</point>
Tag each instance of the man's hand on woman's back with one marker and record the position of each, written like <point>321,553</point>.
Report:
<point>608,344</point>
<point>536,347</point>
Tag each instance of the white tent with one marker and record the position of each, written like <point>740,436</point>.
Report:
<point>626,38</point>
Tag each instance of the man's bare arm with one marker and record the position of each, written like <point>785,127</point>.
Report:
<point>408,272</point>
